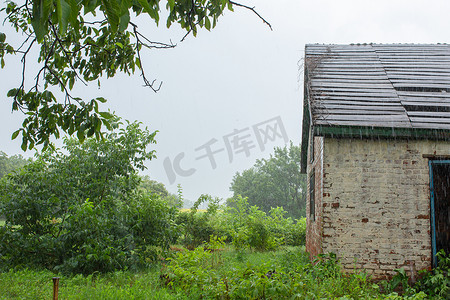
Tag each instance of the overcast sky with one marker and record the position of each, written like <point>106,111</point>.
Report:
<point>236,91</point>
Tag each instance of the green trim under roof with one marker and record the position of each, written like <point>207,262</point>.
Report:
<point>381,132</point>
<point>364,132</point>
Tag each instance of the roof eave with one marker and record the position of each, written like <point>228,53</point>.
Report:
<point>372,132</point>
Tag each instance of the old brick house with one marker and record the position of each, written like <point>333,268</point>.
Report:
<point>376,150</point>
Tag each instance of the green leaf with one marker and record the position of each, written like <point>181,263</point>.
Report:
<point>11,93</point>
<point>95,106</point>
<point>112,11</point>
<point>15,134</point>
<point>90,6</point>
<point>80,135</point>
<point>40,15</point>
<point>91,132</point>
<point>71,82</point>
<point>2,62</point>
<point>119,44</point>
<point>148,9</point>
<point>97,125</point>
<point>171,4</point>
<point>64,10</point>
<point>2,37</point>
<point>124,20</point>
<point>101,99</point>
<point>74,11</point>
<point>24,143</point>
<point>31,145</point>
<point>207,24</point>
<point>138,63</point>
<point>107,124</point>
<point>105,115</point>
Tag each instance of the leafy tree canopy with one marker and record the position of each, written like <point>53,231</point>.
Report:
<point>274,182</point>
<point>81,41</point>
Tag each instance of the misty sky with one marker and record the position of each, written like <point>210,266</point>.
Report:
<point>225,88</point>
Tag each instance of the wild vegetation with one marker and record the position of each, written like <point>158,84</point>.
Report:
<point>214,271</point>
<point>84,214</point>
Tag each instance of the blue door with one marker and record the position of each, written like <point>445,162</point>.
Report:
<point>440,206</point>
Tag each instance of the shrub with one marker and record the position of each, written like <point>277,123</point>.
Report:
<point>197,226</point>
<point>248,226</point>
<point>436,283</point>
<point>80,212</point>
<point>296,233</point>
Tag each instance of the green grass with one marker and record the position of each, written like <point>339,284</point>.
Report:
<point>225,274</point>
<point>37,284</point>
<point>30,284</point>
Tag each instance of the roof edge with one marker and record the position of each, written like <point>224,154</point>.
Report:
<point>381,132</point>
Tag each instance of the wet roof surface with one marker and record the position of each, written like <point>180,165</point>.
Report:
<point>380,85</point>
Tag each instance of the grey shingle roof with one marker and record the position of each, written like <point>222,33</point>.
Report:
<point>379,85</point>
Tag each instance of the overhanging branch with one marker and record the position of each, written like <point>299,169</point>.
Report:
<point>254,11</point>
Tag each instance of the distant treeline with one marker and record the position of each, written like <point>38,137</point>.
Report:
<point>11,163</point>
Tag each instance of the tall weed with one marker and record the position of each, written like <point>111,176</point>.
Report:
<point>437,282</point>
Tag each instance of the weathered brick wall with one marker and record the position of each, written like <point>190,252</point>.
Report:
<point>376,203</point>
<point>314,227</point>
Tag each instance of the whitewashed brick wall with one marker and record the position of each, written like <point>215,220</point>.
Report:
<point>375,203</point>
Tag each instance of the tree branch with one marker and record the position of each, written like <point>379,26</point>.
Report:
<point>66,54</point>
<point>22,84</point>
<point>156,45</point>
<point>254,11</point>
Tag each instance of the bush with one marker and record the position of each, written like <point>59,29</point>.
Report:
<point>436,283</point>
<point>248,226</point>
<point>197,226</point>
<point>296,233</point>
<point>81,212</point>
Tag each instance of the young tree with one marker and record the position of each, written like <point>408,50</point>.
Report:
<point>81,210</point>
<point>273,182</point>
<point>82,41</point>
